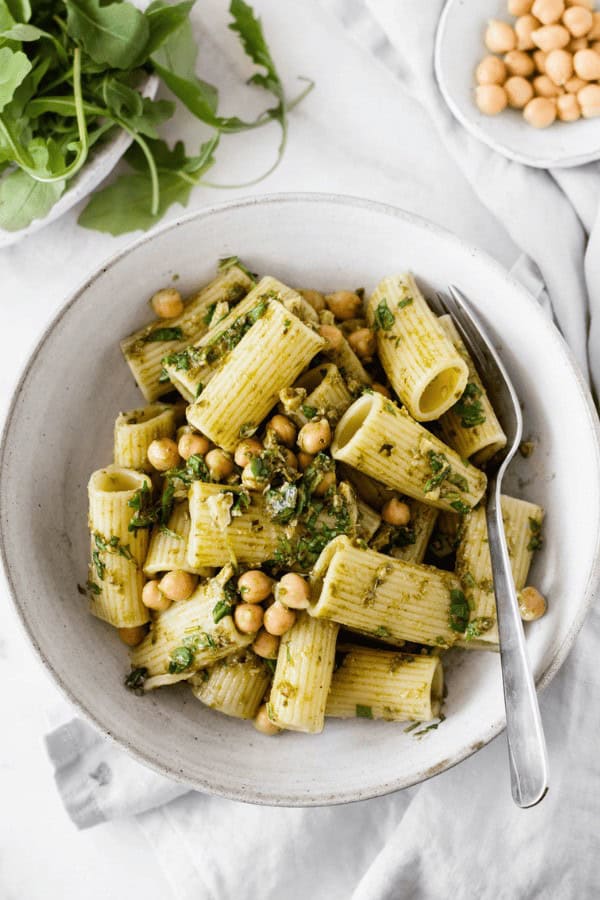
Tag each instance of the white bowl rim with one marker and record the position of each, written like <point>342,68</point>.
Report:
<point>252,795</point>
<point>563,162</point>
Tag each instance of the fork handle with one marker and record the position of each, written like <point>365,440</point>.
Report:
<point>527,754</point>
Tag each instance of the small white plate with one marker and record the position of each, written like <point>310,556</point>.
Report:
<point>458,48</point>
<point>102,161</point>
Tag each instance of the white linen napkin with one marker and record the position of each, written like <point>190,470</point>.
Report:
<point>459,833</point>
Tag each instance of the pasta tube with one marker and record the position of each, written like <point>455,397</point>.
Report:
<point>382,684</point>
<point>422,364</point>
<point>235,686</point>
<point>349,366</point>
<point>383,441</point>
<point>168,546</point>
<point>192,370</point>
<point>303,675</point>
<point>145,350</point>
<point>221,533</point>
<point>243,391</point>
<point>115,579</point>
<point>186,637</point>
<point>470,426</point>
<point>368,521</point>
<point>326,395</point>
<point>408,542</point>
<point>135,430</point>
<point>522,526</point>
<point>390,599</point>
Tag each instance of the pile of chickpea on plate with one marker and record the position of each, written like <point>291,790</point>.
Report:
<point>546,63</point>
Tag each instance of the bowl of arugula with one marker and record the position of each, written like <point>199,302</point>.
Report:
<point>78,84</point>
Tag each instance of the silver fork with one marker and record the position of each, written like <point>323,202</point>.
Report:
<point>527,754</point>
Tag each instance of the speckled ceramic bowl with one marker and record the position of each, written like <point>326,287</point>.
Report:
<point>60,428</point>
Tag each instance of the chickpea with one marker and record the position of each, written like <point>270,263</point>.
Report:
<point>532,604</point>
<point>263,723</point>
<point>191,444</point>
<point>177,585</point>
<point>254,586</point>
<point>594,32</point>
<point>167,303</point>
<point>315,298</point>
<point>315,436</point>
<point>294,591</point>
<point>587,4</point>
<point>589,100</point>
<point>153,598</point>
<point>595,47</point>
<point>163,454</point>
<point>363,343</point>
<point>248,617</point>
<point>540,112</point>
<point>246,450</point>
<point>491,99</point>
<point>559,66</point>
<point>567,108</point>
<point>491,70</point>
<point>519,91</point>
<point>284,428</point>
<point>551,37</point>
<point>333,336</point>
<point>278,619</point>
<point>545,87</point>
<point>578,20</point>
<point>304,460</point>
<point>519,63</point>
<point>548,11</point>
<point>251,480</point>
<point>327,481</point>
<point>499,37</point>
<point>381,389</point>
<point>344,304</point>
<point>519,7</point>
<point>524,28</point>
<point>132,636</point>
<point>220,464</point>
<point>266,645</point>
<point>396,512</point>
<point>587,65</point>
<point>574,84</point>
<point>539,58</point>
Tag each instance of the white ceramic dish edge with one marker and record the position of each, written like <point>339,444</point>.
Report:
<point>489,731</point>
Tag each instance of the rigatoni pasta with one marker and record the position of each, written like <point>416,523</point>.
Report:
<point>422,364</point>
<point>383,684</point>
<point>301,500</point>
<point>146,349</point>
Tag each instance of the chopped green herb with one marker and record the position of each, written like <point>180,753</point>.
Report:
<point>199,390</point>
<point>181,361</point>
<point>144,515</point>
<point>164,334</point>
<point>248,429</point>
<point>478,627</point>
<point>404,303</point>
<point>460,506</point>
<point>210,309</point>
<point>382,631</point>
<point>536,540</point>
<point>221,609</point>
<point>168,532</point>
<point>384,317</point>
<point>241,503</point>
<point>469,407</point>
<point>136,678</point>
<point>93,587</point>
<point>181,659</point>
<point>459,611</point>
<point>231,261</point>
<point>363,712</point>
<point>98,565</point>
<point>271,665</point>
<point>309,411</point>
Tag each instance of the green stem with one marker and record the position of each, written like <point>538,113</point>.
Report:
<point>151,165</point>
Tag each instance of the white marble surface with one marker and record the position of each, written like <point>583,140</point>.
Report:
<point>356,134</point>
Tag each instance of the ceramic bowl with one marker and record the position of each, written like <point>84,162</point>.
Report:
<point>60,428</point>
<point>458,49</point>
<point>100,164</point>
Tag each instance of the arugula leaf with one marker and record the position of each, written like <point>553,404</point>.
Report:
<point>20,10</point>
<point>163,20</point>
<point>14,67</point>
<point>23,199</point>
<point>110,34</point>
